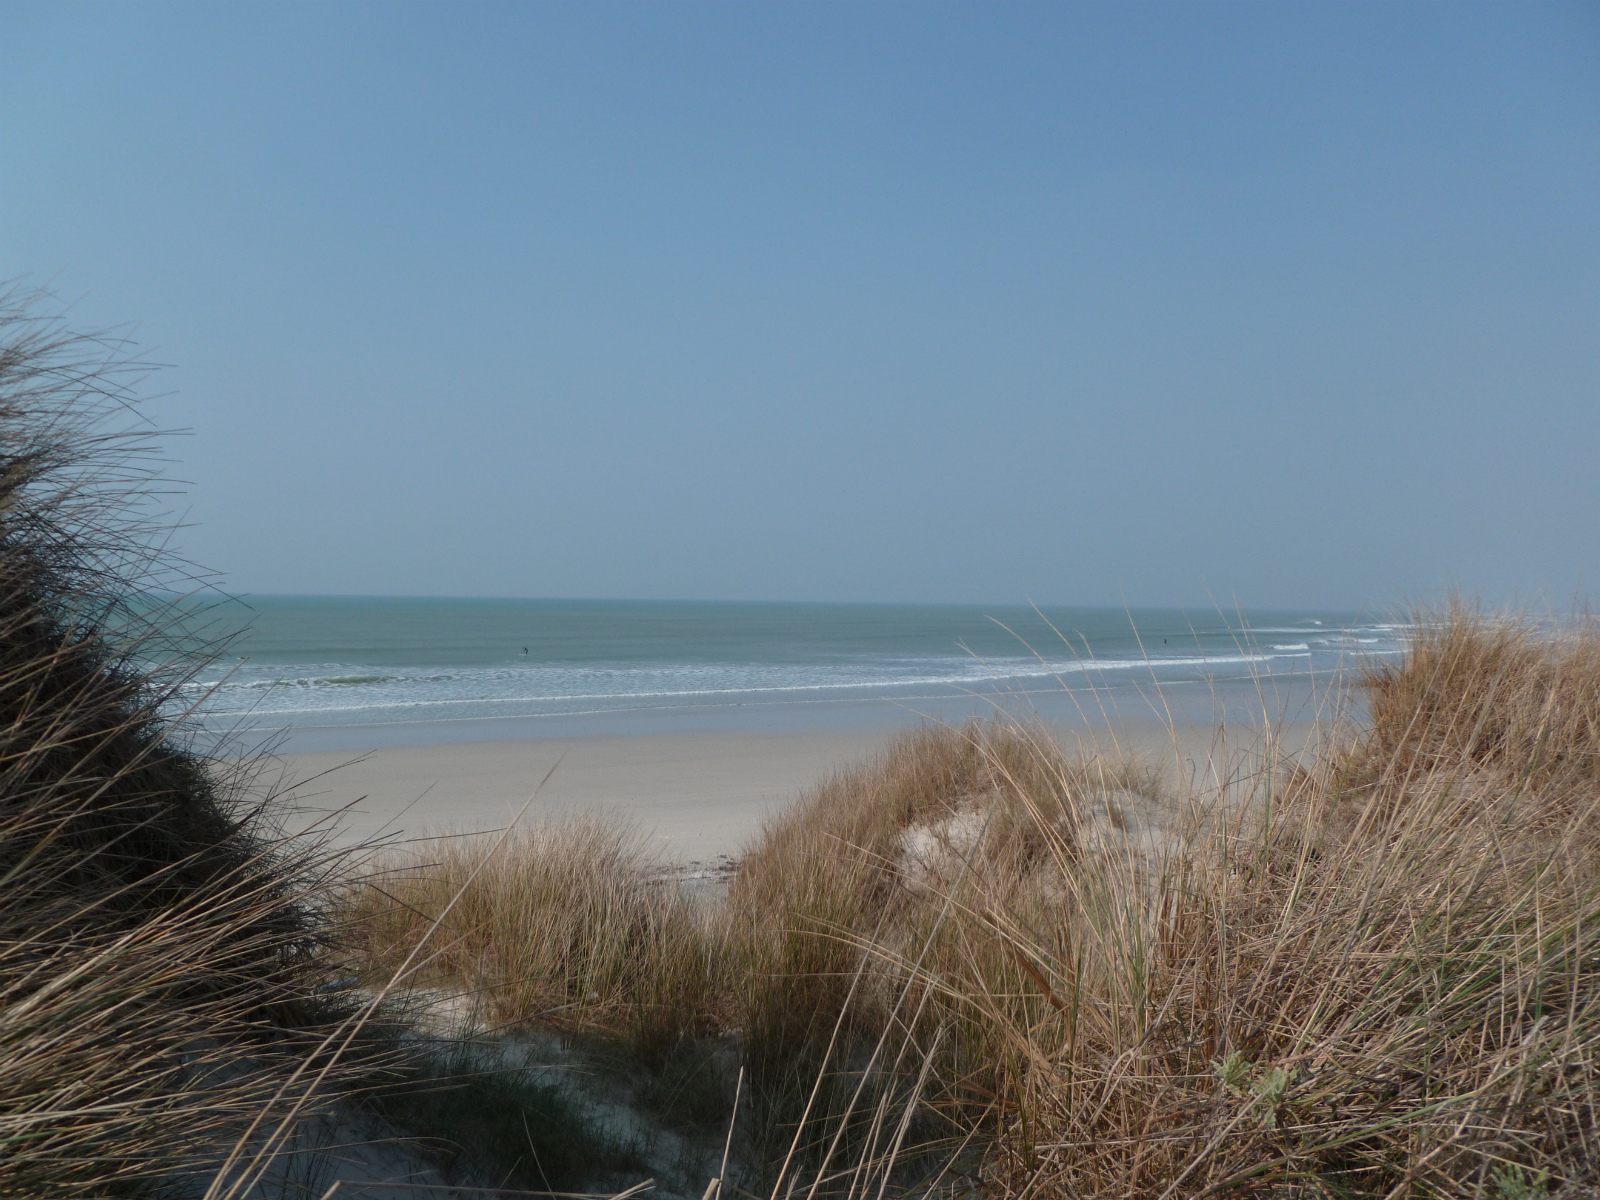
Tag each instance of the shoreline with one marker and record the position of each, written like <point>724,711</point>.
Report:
<point>1200,702</point>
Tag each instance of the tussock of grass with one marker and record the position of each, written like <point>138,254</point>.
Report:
<point>563,924</point>
<point>1503,693</point>
<point>835,907</point>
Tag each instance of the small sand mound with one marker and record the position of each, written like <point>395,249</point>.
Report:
<point>1116,823</point>
<point>932,855</point>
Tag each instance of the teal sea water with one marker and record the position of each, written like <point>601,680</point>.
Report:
<point>387,670</point>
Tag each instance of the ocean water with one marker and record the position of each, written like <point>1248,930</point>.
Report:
<point>449,669</point>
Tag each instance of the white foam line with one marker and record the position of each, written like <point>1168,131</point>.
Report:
<point>870,685</point>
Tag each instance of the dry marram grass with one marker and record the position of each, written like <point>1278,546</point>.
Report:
<point>562,924</point>
<point>1371,968</point>
<point>159,950</point>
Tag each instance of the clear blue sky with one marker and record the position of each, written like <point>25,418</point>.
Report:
<point>1296,303</point>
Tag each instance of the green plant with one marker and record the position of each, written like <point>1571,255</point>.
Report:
<point>1511,1182</point>
<point>507,1124</point>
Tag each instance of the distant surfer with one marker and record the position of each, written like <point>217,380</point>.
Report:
<point>524,649</point>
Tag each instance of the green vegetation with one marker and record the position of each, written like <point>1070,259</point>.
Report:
<point>506,1124</point>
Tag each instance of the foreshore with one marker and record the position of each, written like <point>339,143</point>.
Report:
<point>693,795</point>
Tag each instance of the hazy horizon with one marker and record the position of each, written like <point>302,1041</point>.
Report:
<point>1023,603</point>
<point>1177,306</point>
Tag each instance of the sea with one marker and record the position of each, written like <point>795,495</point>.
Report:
<point>354,672</point>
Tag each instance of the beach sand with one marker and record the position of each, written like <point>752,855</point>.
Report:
<point>694,795</point>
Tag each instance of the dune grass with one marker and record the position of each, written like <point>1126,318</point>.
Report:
<point>171,1021</point>
<point>161,950</point>
<point>562,924</point>
<point>1370,970</point>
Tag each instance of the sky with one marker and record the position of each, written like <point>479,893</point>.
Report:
<point>1284,305</point>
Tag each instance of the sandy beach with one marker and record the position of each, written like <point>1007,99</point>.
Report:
<point>694,795</point>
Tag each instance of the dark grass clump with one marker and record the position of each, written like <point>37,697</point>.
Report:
<point>511,1125</point>
<point>158,947</point>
